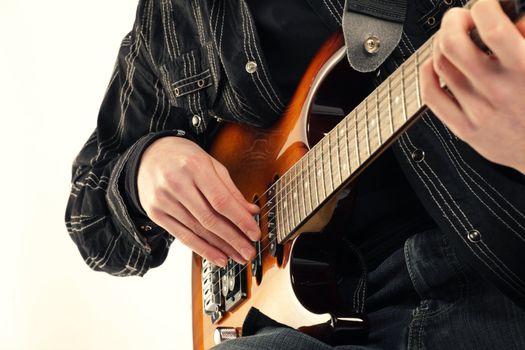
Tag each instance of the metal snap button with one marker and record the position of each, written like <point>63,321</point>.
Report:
<point>251,67</point>
<point>431,21</point>
<point>145,228</point>
<point>177,92</point>
<point>448,2</point>
<point>200,83</point>
<point>418,155</point>
<point>372,44</point>
<point>196,121</point>
<point>474,236</point>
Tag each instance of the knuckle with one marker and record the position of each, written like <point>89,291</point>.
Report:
<point>237,243</point>
<point>192,163</point>
<point>498,98</point>
<point>440,63</point>
<point>155,214</point>
<point>447,44</point>
<point>160,196</point>
<point>184,238</point>
<point>172,180</point>
<point>220,201</point>
<point>453,14</point>
<point>495,34</point>
<point>208,220</point>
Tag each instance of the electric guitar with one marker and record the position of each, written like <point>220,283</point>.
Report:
<point>294,171</point>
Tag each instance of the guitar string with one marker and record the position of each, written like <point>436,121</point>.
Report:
<point>421,55</point>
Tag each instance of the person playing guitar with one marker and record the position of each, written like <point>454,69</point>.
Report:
<point>435,220</point>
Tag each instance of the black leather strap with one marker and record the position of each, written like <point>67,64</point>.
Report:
<point>390,10</point>
<point>379,21</point>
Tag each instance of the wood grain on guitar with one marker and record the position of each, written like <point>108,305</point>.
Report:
<point>294,171</point>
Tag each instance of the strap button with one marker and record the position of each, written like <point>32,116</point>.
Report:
<point>372,44</point>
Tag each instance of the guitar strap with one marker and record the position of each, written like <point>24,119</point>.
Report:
<point>372,30</point>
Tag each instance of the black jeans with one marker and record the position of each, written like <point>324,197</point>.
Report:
<point>420,297</point>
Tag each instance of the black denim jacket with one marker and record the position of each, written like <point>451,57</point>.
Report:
<point>189,63</point>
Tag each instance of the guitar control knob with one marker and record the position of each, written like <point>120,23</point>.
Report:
<point>224,333</point>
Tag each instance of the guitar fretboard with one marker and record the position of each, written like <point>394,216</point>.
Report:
<point>339,156</point>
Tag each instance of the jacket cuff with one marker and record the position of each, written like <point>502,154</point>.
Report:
<point>122,198</point>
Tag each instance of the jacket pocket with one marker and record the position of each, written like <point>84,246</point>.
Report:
<point>191,79</point>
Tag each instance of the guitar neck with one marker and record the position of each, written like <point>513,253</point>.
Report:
<point>347,149</point>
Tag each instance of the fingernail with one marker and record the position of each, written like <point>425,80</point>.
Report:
<point>246,253</point>
<point>240,260</point>
<point>254,235</point>
<point>222,262</point>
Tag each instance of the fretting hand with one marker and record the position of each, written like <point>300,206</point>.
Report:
<point>487,109</point>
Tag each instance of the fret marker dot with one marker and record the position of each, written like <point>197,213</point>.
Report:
<point>294,195</point>
<point>396,101</point>
<point>285,204</point>
<point>306,184</point>
<point>319,172</point>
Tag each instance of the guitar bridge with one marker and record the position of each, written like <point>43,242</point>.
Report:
<point>222,288</point>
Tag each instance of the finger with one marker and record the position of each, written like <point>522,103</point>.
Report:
<point>442,104</point>
<point>225,204</point>
<point>195,202</point>
<point>182,215</point>
<point>456,45</point>
<point>462,90</point>
<point>499,33</point>
<point>192,241</point>
<point>228,182</point>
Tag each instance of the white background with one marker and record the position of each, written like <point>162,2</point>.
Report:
<point>56,59</point>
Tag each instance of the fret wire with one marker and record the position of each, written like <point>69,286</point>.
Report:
<point>313,182</point>
<point>350,145</point>
<point>286,217</point>
<point>416,68</point>
<point>403,92</point>
<point>335,162</point>
<point>295,198</point>
<point>338,157</point>
<point>347,150</point>
<point>367,128</point>
<point>389,91</point>
<point>378,118</point>
<point>320,176</point>
<point>300,190</point>
<point>286,204</point>
<point>357,140</point>
<point>329,184</point>
<point>307,196</point>
<point>280,214</point>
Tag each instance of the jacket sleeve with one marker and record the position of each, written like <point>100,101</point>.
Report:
<point>111,231</point>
